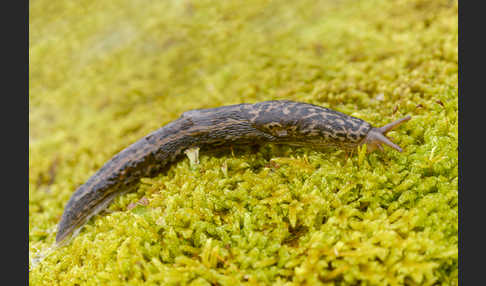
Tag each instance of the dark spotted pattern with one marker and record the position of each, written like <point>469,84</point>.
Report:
<point>282,122</point>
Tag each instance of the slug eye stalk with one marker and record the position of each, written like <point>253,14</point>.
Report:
<point>376,136</point>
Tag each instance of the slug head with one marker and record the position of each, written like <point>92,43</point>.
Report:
<point>376,136</point>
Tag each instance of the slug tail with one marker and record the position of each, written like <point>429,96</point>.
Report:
<point>376,136</point>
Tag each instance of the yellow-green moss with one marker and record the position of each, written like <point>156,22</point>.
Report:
<point>105,73</point>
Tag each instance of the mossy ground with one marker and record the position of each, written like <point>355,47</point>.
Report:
<point>105,73</point>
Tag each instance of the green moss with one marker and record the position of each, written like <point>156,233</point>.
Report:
<point>103,74</point>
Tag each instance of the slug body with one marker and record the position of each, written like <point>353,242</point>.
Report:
<point>282,122</point>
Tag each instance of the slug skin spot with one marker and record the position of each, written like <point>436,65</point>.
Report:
<point>283,122</point>
<point>281,133</point>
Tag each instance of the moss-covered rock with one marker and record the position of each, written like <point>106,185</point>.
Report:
<point>105,73</point>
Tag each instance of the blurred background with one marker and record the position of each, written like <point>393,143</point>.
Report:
<point>103,74</point>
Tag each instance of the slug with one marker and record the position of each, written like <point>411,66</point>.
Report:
<point>280,122</point>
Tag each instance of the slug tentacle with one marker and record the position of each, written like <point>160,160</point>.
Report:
<point>376,136</point>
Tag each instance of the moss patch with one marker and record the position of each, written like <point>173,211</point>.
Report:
<point>105,73</point>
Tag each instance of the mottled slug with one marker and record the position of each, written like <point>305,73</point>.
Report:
<point>280,122</point>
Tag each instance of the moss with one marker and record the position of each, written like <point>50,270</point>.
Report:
<point>105,73</point>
